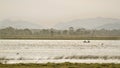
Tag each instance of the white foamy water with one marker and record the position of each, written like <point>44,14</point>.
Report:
<point>43,51</point>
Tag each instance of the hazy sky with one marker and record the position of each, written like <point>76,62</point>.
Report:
<point>50,12</point>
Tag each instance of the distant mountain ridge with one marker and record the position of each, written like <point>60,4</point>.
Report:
<point>19,24</point>
<point>92,23</point>
<point>110,26</point>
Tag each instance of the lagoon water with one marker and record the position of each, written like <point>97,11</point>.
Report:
<point>57,51</point>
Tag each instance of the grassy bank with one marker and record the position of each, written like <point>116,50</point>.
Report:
<point>61,65</point>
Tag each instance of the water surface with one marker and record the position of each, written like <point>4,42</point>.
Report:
<point>42,51</point>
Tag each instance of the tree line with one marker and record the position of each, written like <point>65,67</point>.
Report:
<point>11,32</point>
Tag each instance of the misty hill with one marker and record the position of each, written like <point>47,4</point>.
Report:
<point>110,26</point>
<point>92,23</point>
<point>19,24</point>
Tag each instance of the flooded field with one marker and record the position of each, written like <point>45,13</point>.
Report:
<point>58,51</point>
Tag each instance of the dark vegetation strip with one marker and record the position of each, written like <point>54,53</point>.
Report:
<point>55,34</point>
<point>67,57</point>
<point>88,57</point>
<point>62,65</point>
<point>60,38</point>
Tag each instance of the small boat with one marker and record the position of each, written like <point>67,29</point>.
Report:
<point>86,41</point>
